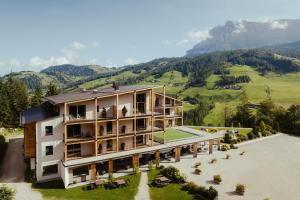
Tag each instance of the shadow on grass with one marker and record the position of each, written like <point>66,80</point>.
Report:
<point>55,184</point>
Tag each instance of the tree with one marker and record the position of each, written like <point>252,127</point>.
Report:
<point>17,95</point>
<point>5,113</point>
<point>52,90</point>
<point>36,99</point>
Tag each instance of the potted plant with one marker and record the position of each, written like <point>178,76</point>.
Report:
<point>124,111</point>
<point>240,189</point>
<point>217,179</point>
<point>197,164</point>
<point>197,171</point>
<point>103,112</point>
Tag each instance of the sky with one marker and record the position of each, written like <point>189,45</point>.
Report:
<point>35,34</point>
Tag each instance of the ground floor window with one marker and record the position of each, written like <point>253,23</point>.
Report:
<point>81,171</point>
<point>50,169</point>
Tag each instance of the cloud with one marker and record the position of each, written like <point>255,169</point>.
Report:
<point>92,61</point>
<point>15,63</point>
<point>167,42</point>
<point>95,44</point>
<point>278,25</point>
<point>181,42</point>
<point>239,27</point>
<point>38,62</point>
<point>198,36</point>
<point>130,61</point>
<point>108,63</point>
<point>77,45</point>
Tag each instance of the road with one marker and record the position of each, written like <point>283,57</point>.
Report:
<point>12,171</point>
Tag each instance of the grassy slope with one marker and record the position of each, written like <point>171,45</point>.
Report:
<point>170,192</point>
<point>285,89</point>
<point>54,190</point>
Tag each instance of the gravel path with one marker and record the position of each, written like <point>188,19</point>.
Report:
<point>12,173</point>
<point>269,169</point>
<point>143,192</point>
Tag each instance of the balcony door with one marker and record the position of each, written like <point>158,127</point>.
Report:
<point>141,103</point>
<point>74,131</point>
<point>77,111</point>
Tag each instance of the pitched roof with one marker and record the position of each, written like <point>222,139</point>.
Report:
<point>90,94</point>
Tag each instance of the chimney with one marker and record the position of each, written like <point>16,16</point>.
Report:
<point>115,85</point>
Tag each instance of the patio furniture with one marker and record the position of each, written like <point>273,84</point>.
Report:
<point>120,182</point>
<point>161,181</point>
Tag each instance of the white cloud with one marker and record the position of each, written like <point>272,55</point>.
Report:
<point>239,27</point>
<point>96,44</point>
<point>77,45</point>
<point>108,63</point>
<point>198,36</point>
<point>130,61</point>
<point>181,42</point>
<point>278,25</point>
<point>39,63</point>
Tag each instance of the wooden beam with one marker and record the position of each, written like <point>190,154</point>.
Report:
<point>164,112</point>
<point>195,149</point>
<point>134,109</point>
<point>96,126</point>
<point>210,147</point>
<point>93,171</point>
<point>65,112</point>
<point>135,162</point>
<point>177,153</point>
<point>117,123</point>
<point>110,166</point>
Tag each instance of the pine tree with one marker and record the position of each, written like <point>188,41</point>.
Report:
<point>36,99</point>
<point>5,113</point>
<point>52,90</point>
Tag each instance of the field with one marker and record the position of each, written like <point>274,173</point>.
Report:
<point>55,190</point>
<point>171,134</point>
<point>242,131</point>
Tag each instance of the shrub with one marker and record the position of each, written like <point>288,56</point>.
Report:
<point>240,189</point>
<point>190,186</point>
<point>225,147</point>
<point>198,171</point>
<point>227,157</point>
<point>242,153</point>
<point>6,193</point>
<point>211,193</point>
<point>161,167</point>
<point>197,164</point>
<point>250,135</point>
<point>242,138</point>
<point>217,179</point>
<point>110,176</point>
<point>173,174</point>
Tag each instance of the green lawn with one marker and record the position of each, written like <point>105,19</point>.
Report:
<point>171,134</point>
<point>54,190</point>
<point>171,192</point>
<point>242,131</point>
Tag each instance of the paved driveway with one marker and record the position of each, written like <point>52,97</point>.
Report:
<point>269,168</point>
<point>12,172</point>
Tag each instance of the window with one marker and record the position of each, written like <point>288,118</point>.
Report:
<point>49,130</point>
<point>109,145</point>
<point>168,101</point>
<point>77,111</point>
<point>49,150</point>
<point>141,124</point>
<point>156,102</point>
<point>109,127</point>
<point>140,140</point>
<point>122,146</point>
<point>74,130</point>
<point>50,169</point>
<point>80,171</point>
<point>168,111</point>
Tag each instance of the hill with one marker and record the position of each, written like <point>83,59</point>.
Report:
<point>62,75</point>
<point>247,35</point>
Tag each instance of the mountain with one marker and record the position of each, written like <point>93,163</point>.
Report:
<point>247,35</point>
<point>62,75</point>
